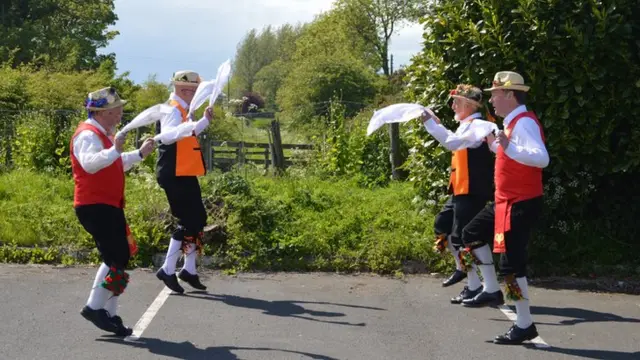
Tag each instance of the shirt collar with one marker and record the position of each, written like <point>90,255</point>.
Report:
<point>93,122</point>
<point>471,117</point>
<point>515,112</point>
<point>174,96</point>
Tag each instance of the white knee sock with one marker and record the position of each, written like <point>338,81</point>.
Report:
<point>173,254</point>
<point>112,305</point>
<point>473,280</point>
<point>523,311</point>
<point>488,271</point>
<point>99,295</point>
<point>190,259</point>
<point>455,252</point>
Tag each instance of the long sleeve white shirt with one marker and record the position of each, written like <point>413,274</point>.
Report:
<point>93,157</point>
<point>172,129</point>
<point>525,143</point>
<point>464,137</point>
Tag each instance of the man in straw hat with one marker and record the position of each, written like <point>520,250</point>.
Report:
<point>521,156</point>
<point>471,185</point>
<point>98,163</point>
<point>179,164</point>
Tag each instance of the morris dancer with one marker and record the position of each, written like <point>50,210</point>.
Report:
<point>98,164</point>
<point>471,183</point>
<point>179,164</point>
<point>521,156</point>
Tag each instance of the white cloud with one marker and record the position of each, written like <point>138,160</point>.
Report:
<point>162,36</point>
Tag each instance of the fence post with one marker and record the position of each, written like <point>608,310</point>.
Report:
<point>277,146</point>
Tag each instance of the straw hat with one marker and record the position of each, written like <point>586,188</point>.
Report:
<point>104,99</point>
<point>468,93</point>
<point>508,80</point>
<point>186,77</point>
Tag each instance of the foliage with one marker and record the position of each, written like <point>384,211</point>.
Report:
<point>581,60</point>
<point>56,34</point>
<point>286,223</point>
<point>374,22</point>
<point>312,84</point>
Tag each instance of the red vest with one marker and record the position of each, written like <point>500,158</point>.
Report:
<point>514,182</point>
<point>105,186</point>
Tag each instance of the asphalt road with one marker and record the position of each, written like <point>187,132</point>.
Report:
<point>301,316</point>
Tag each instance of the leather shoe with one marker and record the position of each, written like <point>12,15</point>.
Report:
<point>99,318</point>
<point>466,294</point>
<point>455,278</point>
<point>122,330</point>
<point>171,281</point>
<point>485,299</point>
<point>516,335</point>
<point>191,279</point>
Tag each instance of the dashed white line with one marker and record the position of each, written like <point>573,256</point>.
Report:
<point>146,318</point>
<point>539,342</point>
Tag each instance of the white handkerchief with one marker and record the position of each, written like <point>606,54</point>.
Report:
<point>147,117</point>
<point>396,113</point>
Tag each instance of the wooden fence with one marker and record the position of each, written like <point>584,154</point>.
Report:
<point>225,154</point>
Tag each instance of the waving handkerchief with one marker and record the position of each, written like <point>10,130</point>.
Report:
<point>481,128</point>
<point>221,80</point>
<point>396,113</point>
<point>203,92</point>
<point>147,117</point>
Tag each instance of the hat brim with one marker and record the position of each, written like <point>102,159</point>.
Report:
<point>109,106</point>
<point>511,87</point>
<point>184,83</point>
<point>466,99</point>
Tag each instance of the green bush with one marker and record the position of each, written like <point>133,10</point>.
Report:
<point>582,61</point>
<point>283,223</point>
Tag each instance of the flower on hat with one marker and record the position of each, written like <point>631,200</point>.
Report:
<point>508,83</point>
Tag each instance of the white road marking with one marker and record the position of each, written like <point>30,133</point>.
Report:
<point>146,318</point>
<point>539,342</point>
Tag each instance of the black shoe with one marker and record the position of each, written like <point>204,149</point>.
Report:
<point>99,318</point>
<point>466,294</point>
<point>170,280</point>
<point>516,335</point>
<point>122,330</point>
<point>485,299</point>
<point>455,278</point>
<point>191,279</point>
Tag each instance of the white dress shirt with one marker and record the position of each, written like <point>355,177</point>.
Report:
<point>172,128</point>
<point>93,157</point>
<point>464,137</point>
<point>525,142</point>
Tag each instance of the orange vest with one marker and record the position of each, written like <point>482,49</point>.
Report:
<point>189,161</point>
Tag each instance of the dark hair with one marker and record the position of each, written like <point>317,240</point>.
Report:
<point>521,96</point>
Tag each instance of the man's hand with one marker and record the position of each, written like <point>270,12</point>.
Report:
<point>119,143</point>
<point>208,113</point>
<point>147,147</point>
<point>503,140</point>
<point>428,114</point>
<point>490,138</point>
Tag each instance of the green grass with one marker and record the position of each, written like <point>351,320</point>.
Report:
<point>286,223</point>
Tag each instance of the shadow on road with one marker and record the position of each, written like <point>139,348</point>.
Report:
<point>580,315</point>
<point>590,354</point>
<point>283,308</point>
<point>186,350</point>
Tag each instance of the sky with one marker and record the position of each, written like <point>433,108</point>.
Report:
<point>159,37</point>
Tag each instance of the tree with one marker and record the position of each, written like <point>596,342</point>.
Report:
<point>57,34</point>
<point>375,21</point>
<point>382,19</point>
<point>309,88</point>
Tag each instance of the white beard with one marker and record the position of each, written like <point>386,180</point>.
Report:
<point>456,117</point>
